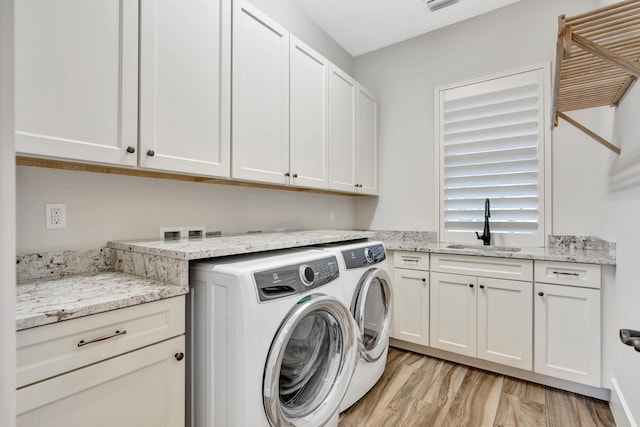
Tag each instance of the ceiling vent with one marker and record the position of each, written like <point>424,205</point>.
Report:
<point>434,5</point>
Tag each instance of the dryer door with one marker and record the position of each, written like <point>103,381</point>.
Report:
<point>310,363</point>
<point>371,307</point>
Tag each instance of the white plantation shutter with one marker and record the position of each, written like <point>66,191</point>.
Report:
<point>491,137</point>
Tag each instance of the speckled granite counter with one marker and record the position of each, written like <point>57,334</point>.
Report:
<point>222,246</point>
<point>43,301</point>
<point>603,256</point>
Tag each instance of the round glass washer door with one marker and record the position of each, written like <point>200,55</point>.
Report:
<point>310,363</point>
<point>371,308</point>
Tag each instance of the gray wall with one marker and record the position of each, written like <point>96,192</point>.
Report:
<point>404,77</point>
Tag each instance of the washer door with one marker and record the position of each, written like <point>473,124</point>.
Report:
<point>310,363</point>
<point>371,308</point>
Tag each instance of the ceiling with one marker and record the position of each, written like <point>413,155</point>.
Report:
<point>361,26</point>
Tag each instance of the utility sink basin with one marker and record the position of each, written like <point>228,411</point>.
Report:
<point>485,248</point>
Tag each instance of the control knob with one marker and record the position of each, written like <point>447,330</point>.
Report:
<point>368,255</point>
<point>307,275</point>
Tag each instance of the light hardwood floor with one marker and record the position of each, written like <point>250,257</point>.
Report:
<point>418,390</point>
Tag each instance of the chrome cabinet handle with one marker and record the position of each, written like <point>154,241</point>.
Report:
<point>105,337</point>
<point>566,274</point>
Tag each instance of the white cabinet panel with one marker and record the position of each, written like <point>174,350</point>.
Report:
<point>144,388</point>
<point>342,132</point>
<point>185,68</point>
<point>308,139</point>
<point>505,322</point>
<point>411,306</point>
<point>77,79</point>
<point>453,313</point>
<point>500,268</point>
<point>411,260</point>
<point>367,142</point>
<point>571,274</point>
<point>260,91</point>
<point>567,333</point>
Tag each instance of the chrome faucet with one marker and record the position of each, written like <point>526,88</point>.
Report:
<point>486,233</point>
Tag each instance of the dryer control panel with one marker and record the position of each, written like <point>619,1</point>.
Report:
<point>364,256</point>
<point>293,279</point>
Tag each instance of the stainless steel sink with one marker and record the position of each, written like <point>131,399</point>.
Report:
<point>485,248</point>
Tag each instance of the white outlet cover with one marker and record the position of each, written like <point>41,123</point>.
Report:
<point>55,215</point>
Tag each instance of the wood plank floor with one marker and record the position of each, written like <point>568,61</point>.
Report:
<point>418,390</point>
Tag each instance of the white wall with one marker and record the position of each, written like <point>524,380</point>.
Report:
<point>287,14</point>
<point>404,76</point>
<point>623,223</point>
<point>102,207</point>
<point>7,221</point>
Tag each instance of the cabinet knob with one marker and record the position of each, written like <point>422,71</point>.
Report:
<point>295,175</point>
<point>541,293</point>
<point>481,286</point>
<point>471,285</point>
<point>179,356</point>
<point>287,174</point>
<point>424,280</point>
<point>151,153</point>
<point>131,150</point>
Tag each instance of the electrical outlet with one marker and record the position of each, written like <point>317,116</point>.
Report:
<point>55,216</point>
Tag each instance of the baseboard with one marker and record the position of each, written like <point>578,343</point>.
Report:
<point>621,412</point>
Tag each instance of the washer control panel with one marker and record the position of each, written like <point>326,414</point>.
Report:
<point>364,256</point>
<point>293,279</point>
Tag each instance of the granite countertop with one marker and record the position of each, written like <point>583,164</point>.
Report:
<point>211,247</point>
<point>603,256</point>
<point>43,301</point>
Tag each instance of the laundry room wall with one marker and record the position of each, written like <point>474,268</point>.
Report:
<point>102,207</point>
<point>404,77</point>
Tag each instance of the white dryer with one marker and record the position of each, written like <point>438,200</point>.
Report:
<point>271,341</point>
<point>367,287</point>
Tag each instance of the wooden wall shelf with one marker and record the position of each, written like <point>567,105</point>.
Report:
<point>597,60</point>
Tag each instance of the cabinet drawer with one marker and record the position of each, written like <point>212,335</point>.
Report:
<point>411,260</point>
<point>50,350</point>
<point>565,273</point>
<point>500,268</point>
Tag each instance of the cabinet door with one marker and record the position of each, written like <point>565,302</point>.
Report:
<point>260,108</point>
<point>185,68</point>
<point>144,388</point>
<point>567,333</point>
<point>308,139</point>
<point>76,79</point>
<point>453,313</point>
<point>505,322</point>
<point>342,138</point>
<point>366,142</point>
<point>411,306</point>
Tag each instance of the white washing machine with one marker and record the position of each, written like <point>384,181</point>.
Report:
<point>272,342</point>
<point>367,287</point>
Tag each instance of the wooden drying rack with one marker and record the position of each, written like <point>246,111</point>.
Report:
<point>597,61</point>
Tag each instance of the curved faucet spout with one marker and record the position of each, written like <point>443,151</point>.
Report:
<point>486,233</point>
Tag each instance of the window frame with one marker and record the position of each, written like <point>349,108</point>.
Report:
<point>544,158</point>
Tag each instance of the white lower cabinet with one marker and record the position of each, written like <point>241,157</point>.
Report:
<point>485,317</point>
<point>568,330</point>
<point>121,368</point>
<point>144,388</point>
<point>411,306</point>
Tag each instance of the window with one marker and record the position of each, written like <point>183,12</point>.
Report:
<point>491,140</point>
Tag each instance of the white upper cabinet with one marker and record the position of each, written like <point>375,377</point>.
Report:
<point>366,142</point>
<point>342,130</point>
<point>76,77</point>
<point>185,78</point>
<point>309,149</point>
<point>260,92</point>
<point>353,135</point>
